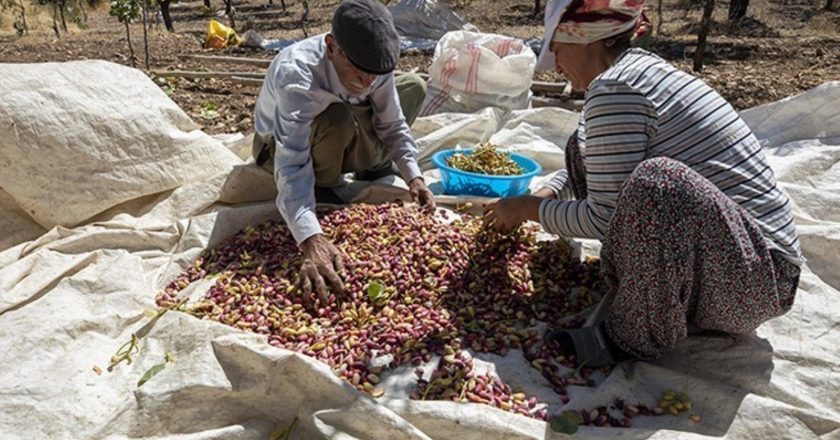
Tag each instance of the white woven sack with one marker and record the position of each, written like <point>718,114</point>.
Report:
<point>471,71</point>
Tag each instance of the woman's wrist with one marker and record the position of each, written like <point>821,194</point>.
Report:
<point>545,193</point>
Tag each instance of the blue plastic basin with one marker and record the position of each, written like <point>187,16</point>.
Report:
<point>457,182</point>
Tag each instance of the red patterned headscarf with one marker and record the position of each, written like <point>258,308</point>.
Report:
<point>586,21</point>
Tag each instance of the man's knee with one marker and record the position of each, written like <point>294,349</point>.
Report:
<point>411,89</point>
<point>334,126</point>
<point>412,85</point>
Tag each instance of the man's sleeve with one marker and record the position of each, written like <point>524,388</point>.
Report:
<point>293,172</point>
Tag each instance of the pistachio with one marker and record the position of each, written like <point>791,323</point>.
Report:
<point>440,287</point>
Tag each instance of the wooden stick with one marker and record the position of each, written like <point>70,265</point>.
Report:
<point>557,88</point>
<point>574,105</point>
<point>229,60</point>
<point>247,81</point>
<point>193,75</point>
<point>700,52</point>
<point>550,87</point>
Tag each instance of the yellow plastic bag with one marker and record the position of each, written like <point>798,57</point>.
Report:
<point>220,36</point>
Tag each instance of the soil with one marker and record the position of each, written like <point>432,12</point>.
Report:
<point>781,48</point>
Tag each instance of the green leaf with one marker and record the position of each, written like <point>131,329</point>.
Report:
<point>567,423</point>
<point>167,359</point>
<point>150,374</point>
<point>284,433</point>
<point>473,326</point>
<point>209,111</point>
<point>375,290</point>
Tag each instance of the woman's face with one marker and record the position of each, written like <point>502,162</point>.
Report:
<point>573,62</point>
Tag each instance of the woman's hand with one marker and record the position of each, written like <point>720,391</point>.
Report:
<point>505,215</point>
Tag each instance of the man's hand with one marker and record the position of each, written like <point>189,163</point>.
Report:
<point>505,215</point>
<point>421,194</point>
<point>321,261</point>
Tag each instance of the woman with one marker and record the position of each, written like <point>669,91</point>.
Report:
<point>666,174</point>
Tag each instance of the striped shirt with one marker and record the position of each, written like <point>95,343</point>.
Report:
<point>643,107</point>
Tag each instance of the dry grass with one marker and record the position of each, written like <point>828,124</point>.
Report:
<point>39,19</point>
<point>781,48</point>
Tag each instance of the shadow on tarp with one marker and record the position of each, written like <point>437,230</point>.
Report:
<point>716,372</point>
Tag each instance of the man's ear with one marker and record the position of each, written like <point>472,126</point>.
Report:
<point>330,40</point>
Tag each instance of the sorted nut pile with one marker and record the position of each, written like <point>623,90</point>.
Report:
<point>485,159</point>
<point>455,379</point>
<point>674,402</point>
<point>619,414</point>
<point>416,287</point>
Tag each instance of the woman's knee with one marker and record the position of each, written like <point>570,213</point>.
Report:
<point>658,168</point>
<point>662,177</point>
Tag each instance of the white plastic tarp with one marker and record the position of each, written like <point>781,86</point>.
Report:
<point>420,23</point>
<point>72,296</point>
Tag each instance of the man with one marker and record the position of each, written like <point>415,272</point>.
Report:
<point>330,105</point>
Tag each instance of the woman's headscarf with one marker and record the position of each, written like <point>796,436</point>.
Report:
<point>585,21</point>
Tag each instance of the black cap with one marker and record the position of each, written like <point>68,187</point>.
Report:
<point>365,30</point>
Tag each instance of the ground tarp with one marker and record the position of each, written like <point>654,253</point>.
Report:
<point>126,194</point>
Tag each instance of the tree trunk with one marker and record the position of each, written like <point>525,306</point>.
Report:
<point>304,19</point>
<point>829,5</point>
<point>229,11</point>
<point>130,47</point>
<point>146,33</point>
<point>164,12</point>
<point>61,6</point>
<point>55,21</point>
<point>207,3</point>
<point>738,10</point>
<point>23,17</point>
<point>83,11</point>
<point>537,8</point>
<point>659,18</point>
<point>701,36</point>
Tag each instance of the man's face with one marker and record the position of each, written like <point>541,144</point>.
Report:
<point>354,80</point>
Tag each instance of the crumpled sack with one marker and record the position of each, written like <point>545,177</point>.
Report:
<point>471,71</point>
<point>220,36</point>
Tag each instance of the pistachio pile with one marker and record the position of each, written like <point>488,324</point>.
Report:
<point>619,413</point>
<point>674,402</point>
<point>417,287</point>
<point>455,379</point>
<point>485,159</point>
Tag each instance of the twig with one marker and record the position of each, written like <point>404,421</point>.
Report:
<point>228,60</point>
<point>194,75</point>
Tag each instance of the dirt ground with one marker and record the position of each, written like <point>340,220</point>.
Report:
<point>781,48</point>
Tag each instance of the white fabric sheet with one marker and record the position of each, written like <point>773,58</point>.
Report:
<point>70,297</point>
